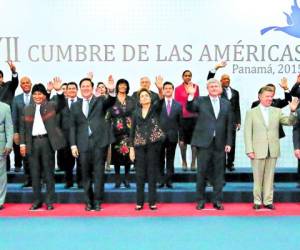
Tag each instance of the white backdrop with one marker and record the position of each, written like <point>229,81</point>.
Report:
<point>191,25</point>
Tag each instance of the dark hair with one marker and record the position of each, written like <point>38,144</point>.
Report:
<point>168,83</point>
<point>86,79</point>
<point>64,84</point>
<point>265,88</point>
<point>186,71</point>
<point>102,83</point>
<point>72,83</point>
<point>1,73</point>
<point>122,81</point>
<point>39,87</point>
<point>143,90</point>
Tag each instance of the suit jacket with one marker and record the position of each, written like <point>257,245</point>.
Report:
<point>49,111</point>
<point>65,119</point>
<point>234,100</point>
<point>17,110</point>
<point>6,127</point>
<point>101,133</point>
<point>207,123</point>
<point>296,131</point>
<point>172,124</point>
<point>8,89</point>
<point>260,138</point>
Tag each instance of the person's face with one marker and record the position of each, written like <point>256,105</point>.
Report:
<point>145,83</point>
<point>101,90</point>
<point>1,79</point>
<point>25,84</point>
<point>168,91</point>
<point>122,88</point>
<point>86,89</point>
<point>64,89</point>
<point>266,98</point>
<point>187,77</point>
<point>214,89</point>
<point>145,98</point>
<point>225,81</point>
<point>38,97</point>
<point>71,91</point>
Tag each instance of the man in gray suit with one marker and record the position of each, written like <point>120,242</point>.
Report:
<point>213,138</point>
<point>18,104</point>
<point>6,139</point>
<point>89,139</point>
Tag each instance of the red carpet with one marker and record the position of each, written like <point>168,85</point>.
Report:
<point>164,209</point>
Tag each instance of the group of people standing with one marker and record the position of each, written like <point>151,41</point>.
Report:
<point>143,129</point>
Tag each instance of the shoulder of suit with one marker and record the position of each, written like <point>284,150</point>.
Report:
<point>275,109</point>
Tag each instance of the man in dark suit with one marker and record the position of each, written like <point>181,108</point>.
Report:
<point>170,121</point>
<point>145,83</point>
<point>18,104</point>
<point>89,139</point>
<point>40,136</point>
<point>66,158</point>
<point>213,138</point>
<point>233,96</point>
<point>7,92</point>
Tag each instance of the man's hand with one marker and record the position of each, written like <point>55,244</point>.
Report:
<point>90,75</point>
<point>159,82</point>
<point>227,149</point>
<point>284,83</point>
<point>294,104</point>
<point>16,138</point>
<point>12,66</point>
<point>251,155</point>
<point>6,151</point>
<point>221,64</point>
<point>57,83</point>
<point>23,151</point>
<point>110,84</point>
<point>75,151</point>
<point>132,154</point>
<point>297,153</point>
<point>191,89</point>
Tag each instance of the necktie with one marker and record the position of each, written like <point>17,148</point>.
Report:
<point>215,107</point>
<point>71,103</point>
<point>86,108</point>
<point>169,108</point>
<point>27,99</point>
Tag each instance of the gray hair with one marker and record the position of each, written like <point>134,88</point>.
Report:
<point>213,80</point>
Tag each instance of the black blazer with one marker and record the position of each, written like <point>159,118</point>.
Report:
<point>17,111</point>
<point>172,125</point>
<point>207,123</point>
<point>235,101</point>
<point>296,132</point>
<point>8,89</point>
<point>96,120</point>
<point>49,110</point>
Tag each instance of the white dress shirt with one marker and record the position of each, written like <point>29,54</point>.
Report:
<point>38,127</point>
<point>228,92</point>
<point>265,113</point>
<point>215,101</point>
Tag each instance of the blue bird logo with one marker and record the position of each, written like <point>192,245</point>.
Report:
<point>293,21</point>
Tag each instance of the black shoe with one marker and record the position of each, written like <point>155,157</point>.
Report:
<point>153,207</point>
<point>218,206</point>
<point>169,185</point>
<point>256,206</point>
<point>126,183</point>
<point>200,205</point>
<point>230,168</point>
<point>1,207</point>
<point>97,206</point>
<point>17,169</point>
<point>161,185</point>
<point>35,206</point>
<point>68,185</point>
<point>139,207</point>
<point>49,207</point>
<point>27,184</point>
<point>88,207</point>
<point>270,206</point>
